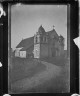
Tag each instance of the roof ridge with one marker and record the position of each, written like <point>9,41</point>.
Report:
<point>28,37</point>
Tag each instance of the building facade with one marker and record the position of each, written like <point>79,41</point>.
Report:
<point>42,44</point>
<point>48,44</point>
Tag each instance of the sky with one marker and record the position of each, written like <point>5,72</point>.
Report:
<point>26,19</point>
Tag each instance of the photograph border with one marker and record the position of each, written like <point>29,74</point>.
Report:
<point>73,32</point>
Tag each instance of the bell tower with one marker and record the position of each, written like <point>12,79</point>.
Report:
<point>40,43</point>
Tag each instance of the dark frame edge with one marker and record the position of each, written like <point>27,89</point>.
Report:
<point>72,36</point>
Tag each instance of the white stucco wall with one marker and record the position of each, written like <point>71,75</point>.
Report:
<point>17,52</point>
<point>23,54</point>
<point>37,51</point>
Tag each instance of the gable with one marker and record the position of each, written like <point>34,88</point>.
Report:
<point>53,34</point>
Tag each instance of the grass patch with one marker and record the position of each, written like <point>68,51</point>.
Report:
<point>59,60</point>
<point>24,68</point>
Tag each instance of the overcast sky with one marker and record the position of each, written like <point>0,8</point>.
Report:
<point>26,19</point>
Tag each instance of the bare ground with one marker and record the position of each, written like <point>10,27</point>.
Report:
<point>54,79</point>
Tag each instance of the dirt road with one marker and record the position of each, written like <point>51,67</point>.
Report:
<point>52,71</point>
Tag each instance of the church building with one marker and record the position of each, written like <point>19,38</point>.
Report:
<point>42,44</point>
<point>48,44</point>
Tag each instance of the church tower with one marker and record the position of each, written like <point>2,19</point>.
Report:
<point>40,43</point>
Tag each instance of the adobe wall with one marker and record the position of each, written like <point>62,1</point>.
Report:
<point>36,50</point>
<point>61,50</point>
<point>23,54</point>
<point>52,51</point>
<point>44,50</point>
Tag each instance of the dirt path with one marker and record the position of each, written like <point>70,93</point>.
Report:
<point>52,71</point>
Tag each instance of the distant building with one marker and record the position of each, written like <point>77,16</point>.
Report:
<point>25,48</point>
<point>42,44</point>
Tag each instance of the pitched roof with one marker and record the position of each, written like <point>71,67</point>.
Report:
<point>26,43</point>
